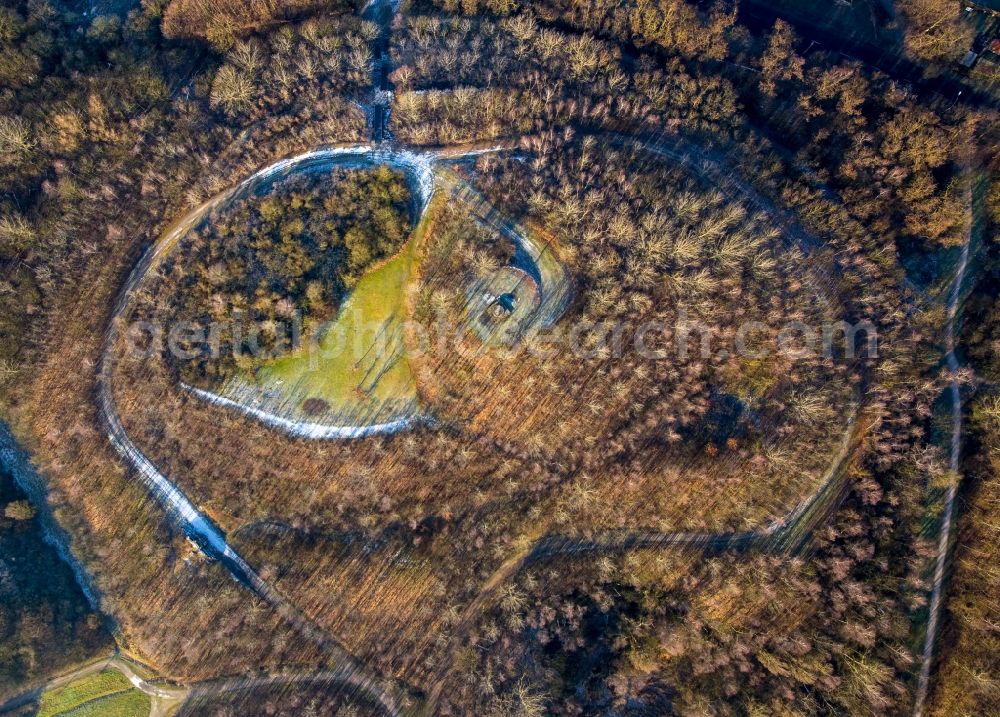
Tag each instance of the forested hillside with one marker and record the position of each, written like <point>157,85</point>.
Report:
<point>737,454</point>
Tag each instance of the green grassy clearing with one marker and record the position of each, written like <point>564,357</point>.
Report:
<point>97,689</point>
<point>358,365</point>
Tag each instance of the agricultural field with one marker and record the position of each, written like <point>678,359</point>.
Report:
<point>497,358</point>
<point>103,693</point>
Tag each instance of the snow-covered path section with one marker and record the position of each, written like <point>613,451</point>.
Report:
<point>180,509</point>
<point>424,175</point>
<point>195,524</point>
<point>419,169</point>
<point>305,429</point>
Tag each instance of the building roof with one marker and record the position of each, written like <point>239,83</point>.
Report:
<point>987,5</point>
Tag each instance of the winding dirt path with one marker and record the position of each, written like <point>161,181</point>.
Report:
<point>428,176</point>
<point>179,508</point>
<point>788,535</point>
<point>432,175</point>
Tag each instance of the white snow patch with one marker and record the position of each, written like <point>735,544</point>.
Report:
<point>305,429</point>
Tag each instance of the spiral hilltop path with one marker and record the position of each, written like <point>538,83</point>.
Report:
<point>378,508</point>
<point>430,174</point>
<point>426,175</point>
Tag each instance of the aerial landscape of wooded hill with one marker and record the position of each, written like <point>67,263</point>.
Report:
<point>499,357</point>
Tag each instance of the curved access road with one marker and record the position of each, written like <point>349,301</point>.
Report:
<point>427,173</point>
<point>424,178</point>
<point>179,508</point>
